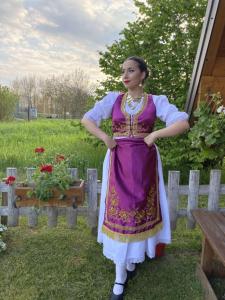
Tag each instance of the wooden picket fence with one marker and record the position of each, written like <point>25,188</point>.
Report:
<point>93,189</point>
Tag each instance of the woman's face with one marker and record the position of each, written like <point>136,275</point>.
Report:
<point>131,74</point>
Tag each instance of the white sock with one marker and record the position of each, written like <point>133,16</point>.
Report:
<point>130,266</point>
<point>121,276</point>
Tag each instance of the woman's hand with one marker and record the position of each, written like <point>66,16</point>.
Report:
<point>151,138</point>
<point>109,142</point>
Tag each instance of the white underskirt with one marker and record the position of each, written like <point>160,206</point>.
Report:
<point>133,252</point>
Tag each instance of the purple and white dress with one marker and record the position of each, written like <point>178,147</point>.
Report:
<point>134,214</point>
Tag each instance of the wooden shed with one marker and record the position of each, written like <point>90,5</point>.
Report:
<point>209,69</point>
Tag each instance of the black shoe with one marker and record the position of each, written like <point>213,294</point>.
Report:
<point>131,274</point>
<point>120,296</point>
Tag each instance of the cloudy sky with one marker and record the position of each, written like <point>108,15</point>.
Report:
<point>45,37</point>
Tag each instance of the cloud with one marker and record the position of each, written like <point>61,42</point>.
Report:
<point>49,37</point>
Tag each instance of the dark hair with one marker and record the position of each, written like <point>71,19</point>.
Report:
<point>141,64</point>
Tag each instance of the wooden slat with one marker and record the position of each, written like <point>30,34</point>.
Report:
<point>219,68</point>
<point>214,189</point>
<point>221,52</point>
<point>52,216</point>
<point>212,232</point>
<point>4,187</point>
<point>4,211</point>
<point>192,197</point>
<point>92,177</point>
<point>183,189</point>
<point>173,197</point>
<point>219,221</point>
<point>4,219</point>
<point>209,293</point>
<point>30,173</point>
<point>13,217</point>
<point>215,39</point>
<point>32,218</point>
<point>206,257</point>
<point>71,216</point>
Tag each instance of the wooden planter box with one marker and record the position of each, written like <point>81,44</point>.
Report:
<point>74,196</point>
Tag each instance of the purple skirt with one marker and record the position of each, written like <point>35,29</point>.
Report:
<point>132,210</point>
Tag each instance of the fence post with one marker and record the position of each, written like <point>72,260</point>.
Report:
<point>71,213</point>
<point>173,196</point>
<point>30,172</point>
<point>13,217</point>
<point>214,190</point>
<point>92,186</point>
<point>52,216</point>
<point>192,196</point>
<point>4,219</point>
<point>33,215</point>
<point>73,173</point>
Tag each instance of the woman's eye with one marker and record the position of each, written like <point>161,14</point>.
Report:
<point>128,71</point>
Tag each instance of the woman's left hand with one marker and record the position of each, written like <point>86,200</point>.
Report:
<point>151,138</point>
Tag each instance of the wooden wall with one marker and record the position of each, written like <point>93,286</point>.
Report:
<point>213,73</point>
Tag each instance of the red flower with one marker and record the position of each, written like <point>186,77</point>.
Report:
<point>39,150</point>
<point>59,157</point>
<point>10,180</point>
<point>46,168</point>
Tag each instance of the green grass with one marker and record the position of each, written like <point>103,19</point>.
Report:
<point>63,264</point>
<point>19,139</point>
<point>59,263</point>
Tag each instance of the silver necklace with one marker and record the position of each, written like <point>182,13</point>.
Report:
<point>133,102</point>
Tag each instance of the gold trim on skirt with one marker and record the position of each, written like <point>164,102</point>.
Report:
<point>126,237</point>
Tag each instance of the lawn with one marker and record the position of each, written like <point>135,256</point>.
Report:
<point>19,139</point>
<point>63,264</point>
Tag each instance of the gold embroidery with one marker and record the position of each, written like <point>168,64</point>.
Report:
<point>152,212</point>
<point>122,237</point>
<point>138,215</point>
<point>133,128</point>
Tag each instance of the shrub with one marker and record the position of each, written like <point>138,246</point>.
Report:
<point>8,102</point>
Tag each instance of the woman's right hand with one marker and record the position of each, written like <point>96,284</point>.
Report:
<point>109,142</point>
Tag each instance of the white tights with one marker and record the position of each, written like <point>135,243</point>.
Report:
<point>121,276</point>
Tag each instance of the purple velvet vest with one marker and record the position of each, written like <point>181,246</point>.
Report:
<point>132,207</point>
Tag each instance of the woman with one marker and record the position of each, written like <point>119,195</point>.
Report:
<point>134,215</point>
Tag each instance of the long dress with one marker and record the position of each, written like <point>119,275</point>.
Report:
<point>118,251</point>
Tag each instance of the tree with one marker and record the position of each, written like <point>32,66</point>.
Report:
<point>27,89</point>
<point>66,93</point>
<point>8,101</point>
<point>166,35</point>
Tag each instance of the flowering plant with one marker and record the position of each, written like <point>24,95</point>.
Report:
<point>207,134</point>
<point>2,244</point>
<point>10,180</point>
<point>49,174</point>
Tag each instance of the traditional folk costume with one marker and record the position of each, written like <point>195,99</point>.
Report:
<point>134,215</point>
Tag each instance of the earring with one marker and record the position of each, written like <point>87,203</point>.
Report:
<point>140,84</point>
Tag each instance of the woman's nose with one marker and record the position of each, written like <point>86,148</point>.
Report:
<point>125,75</point>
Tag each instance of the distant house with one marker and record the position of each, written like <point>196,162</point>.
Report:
<point>209,69</point>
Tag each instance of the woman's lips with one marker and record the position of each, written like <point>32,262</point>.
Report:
<point>126,81</point>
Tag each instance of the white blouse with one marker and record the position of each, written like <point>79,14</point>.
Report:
<point>165,111</point>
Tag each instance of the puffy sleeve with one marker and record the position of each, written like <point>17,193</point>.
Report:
<point>102,108</point>
<point>167,112</point>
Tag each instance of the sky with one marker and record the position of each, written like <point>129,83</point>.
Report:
<point>46,37</point>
